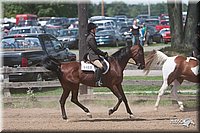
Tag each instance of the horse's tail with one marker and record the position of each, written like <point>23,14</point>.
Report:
<point>155,58</point>
<point>52,64</point>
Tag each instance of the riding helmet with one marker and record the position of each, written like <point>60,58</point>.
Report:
<point>91,26</point>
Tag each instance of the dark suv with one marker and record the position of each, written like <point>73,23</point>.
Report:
<point>26,50</point>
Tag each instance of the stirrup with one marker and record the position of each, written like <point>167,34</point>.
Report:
<point>99,83</point>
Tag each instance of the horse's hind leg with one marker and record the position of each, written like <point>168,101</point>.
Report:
<point>74,99</point>
<point>160,94</point>
<point>174,92</point>
<point>63,98</point>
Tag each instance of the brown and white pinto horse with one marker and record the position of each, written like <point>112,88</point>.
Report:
<point>174,69</point>
<point>71,75</point>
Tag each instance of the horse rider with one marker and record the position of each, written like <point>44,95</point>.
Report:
<point>93,53</point>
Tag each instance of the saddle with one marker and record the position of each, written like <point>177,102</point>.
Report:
<point>86,65</point>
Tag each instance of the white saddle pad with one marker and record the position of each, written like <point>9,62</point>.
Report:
<point>85,66</point>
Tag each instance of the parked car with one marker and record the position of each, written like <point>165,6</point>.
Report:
<point>72,20</point>
<point>163,24</point>
<point>166,36</point>
<point>105,23</point>
<point>152,22</point>
<point>153,35</point>
<point>110,38</point>
<point>69,38</point>
<point>96,18</point>
<point>25,29</point>
<point>104,28</point>
<point>26,50</point>
<point>28,23</point>
<point>43,20</point>
<point>125,31</point>
<point>52,31</point>
<point>142,18</point>
<point>7,25</point>
<point>58,22</point>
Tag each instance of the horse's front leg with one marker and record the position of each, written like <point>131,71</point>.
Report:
<point>74,99</point>
<point>125,100</point>
<point>117,94</point>
<point>160,94</point>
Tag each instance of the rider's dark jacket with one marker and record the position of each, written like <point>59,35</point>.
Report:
<point>92,49</point>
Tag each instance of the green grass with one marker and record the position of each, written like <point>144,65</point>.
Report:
<point>126,88</point>
<point>44,92</point>
<point>142,77</point>
<point>130,88</point>
<point>160,44</point>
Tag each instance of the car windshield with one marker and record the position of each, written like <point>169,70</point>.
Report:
<point>54,21</point>
<point>99,24</point>
<point>104,28</point>
<point>151,29</point>
<point>124,29</point>
<point>68,33</point>
<point>106,32</point>
<point>21,43</point>
<point>152,22</point>
<point>27,23</point>
<point>20,31</point>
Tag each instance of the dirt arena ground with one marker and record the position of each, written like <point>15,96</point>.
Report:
<point>146,119</point>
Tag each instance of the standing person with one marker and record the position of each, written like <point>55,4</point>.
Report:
<point>142,34</point>
<point>135,32</point>
<point>94,53</point>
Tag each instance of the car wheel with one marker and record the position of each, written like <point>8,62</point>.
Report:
<point>126,43</point>
<point>150,40</point>
<point>161,40</point>
<point>39,77</point>
<point>117,43</point>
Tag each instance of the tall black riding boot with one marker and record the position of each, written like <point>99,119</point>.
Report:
<point>98,74</point>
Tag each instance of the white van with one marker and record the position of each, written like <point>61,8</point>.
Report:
<point>105,23</point>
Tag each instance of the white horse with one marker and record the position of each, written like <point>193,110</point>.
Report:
<point>174,69</point>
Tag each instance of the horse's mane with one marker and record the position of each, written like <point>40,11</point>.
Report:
<point>121,53</point>
<point>154,58</point>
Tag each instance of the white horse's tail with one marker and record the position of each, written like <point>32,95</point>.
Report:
<point>155,58</point>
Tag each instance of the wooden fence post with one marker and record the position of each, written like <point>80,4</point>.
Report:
<point>83,89</point>
<point>6,91</point>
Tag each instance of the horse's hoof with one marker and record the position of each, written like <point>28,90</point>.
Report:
<point>182,109</point>
<point>89,115</point>
<point>64,117</point>
<point>156,109</point>
<point>110,111</point>
<point>131,116</point>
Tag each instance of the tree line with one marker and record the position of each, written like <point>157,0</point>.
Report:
<point>70,10</point>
